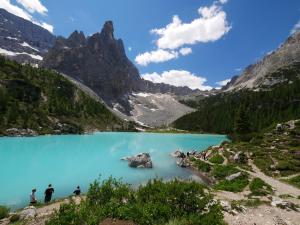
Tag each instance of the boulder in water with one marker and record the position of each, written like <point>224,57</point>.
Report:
<point>178,154</point>
<point>183,162</point>
<point>141,160</point>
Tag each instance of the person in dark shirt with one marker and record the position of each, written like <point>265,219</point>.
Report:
<point>77,191</point>
<point>48,193</point>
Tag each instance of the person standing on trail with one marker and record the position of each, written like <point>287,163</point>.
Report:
<point>77,191</point>
<point>48,193</point>
<point>32,197</point>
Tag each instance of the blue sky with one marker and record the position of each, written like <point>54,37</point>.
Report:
<point>242,31</point>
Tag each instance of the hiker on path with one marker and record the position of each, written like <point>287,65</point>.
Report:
<point>48,193</point>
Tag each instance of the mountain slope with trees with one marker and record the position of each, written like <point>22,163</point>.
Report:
<point>263,106</point>
<point>46,102</point>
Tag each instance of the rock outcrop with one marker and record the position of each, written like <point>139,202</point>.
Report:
<point>100,62</point>
<point>141,160</point>
<point>22,40</point>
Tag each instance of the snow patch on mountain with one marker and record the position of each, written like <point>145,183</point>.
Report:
<point>10,53</point>
<point>25,44</point>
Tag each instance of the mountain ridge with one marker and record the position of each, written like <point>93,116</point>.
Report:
<point>22,40</point>
<point>254,75</point>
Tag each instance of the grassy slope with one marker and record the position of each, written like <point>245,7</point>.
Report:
<point>41,99</point>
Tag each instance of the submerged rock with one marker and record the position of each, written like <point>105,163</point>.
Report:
<point>141,160</point>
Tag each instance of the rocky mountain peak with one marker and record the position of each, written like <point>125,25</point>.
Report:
<point>108,31</point>
<point>77,38</point>
<point>256,75</point>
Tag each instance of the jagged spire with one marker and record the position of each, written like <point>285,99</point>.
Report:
<point>108,30</point>
<point>77,38</point>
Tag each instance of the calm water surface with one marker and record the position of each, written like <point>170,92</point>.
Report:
<point>71,160</point>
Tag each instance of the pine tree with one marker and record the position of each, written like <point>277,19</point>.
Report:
<point>242,125</point>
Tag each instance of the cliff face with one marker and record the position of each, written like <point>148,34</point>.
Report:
<point>100,62</point>
<point>22,40</point>
<point>254,76</point>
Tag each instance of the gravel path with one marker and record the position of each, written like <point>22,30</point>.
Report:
<point>264,215</point>
<point>280,187</point>
<point>291,176</point>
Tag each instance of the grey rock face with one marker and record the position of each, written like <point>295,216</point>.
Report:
<point>18,35</point>
<point>254,75</point>
<point>100,62</point>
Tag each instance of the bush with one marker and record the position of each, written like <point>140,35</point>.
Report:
<point>14,218</point>
<point>202,166</point>
<point>157,202</point>
<point>236,185</point>
<point>258,187</point>
<point>221,172</point>
<point>4,212</point>
<point>217,159</point>
<point>295,181</point>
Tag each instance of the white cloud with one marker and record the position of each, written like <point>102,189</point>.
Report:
<point>185,51</point>
<point>238,69</point>
<point>33,6</point>
<point>156,56</point>
<point>210,26</point>
<point>130,48</point>
<point>160,55</point>
<point>46,26</point>
<point>6,4</point>
<point>223,82</point>
<point>223,1</point>
<point>296,27</point>
<point>178,78</point>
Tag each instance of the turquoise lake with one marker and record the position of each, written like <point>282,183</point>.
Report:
<point>70,160</point>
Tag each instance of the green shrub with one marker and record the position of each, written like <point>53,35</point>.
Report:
<point>202,166</point>
<point>258,187</point>
<point>236,185</point>
<point>217,159</point>
<point>157,202</point>
<point>295,181</point>
<point>14,218</point>
<point>4,212</point>
<point>220,171</point>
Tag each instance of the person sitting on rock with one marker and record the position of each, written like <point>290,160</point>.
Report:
<point>32,197</point>
<point>48,193</point>
<point>77,191</point>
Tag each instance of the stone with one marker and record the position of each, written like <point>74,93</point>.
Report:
<point>183,162</point>
<point>28,212</point>
<point>16,132</point>
<point>178,154</point>
<point>278,202</point>
<point>225,206</point>
<point>240,157</point>
<point>233,176</point>
<point>141,160</point>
